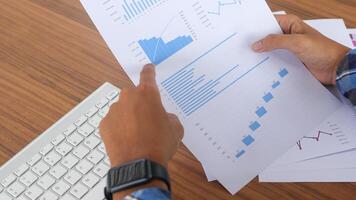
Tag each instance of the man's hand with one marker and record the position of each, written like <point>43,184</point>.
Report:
<point>138,126</point>
<point>320,54</point>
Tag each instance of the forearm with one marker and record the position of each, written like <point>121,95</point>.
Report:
<point>346,77</point>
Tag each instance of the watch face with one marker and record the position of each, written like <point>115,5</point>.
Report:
<point>129,174</point>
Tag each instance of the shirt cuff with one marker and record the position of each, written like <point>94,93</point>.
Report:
<point>148,194</point>
<point>346,76</point>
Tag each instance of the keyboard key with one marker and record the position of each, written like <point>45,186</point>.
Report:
<point>95,157</point>
<point>57,171</point>
<point>34,192</point>
<point>102,103</point>
<point>73,177</point>
<point>48,196</point>
<point>28,178</point>
<point>70,130</point>
<point>86,130</point>
<point>64,149</point>
<point>22,198</point>
<point>46,149</point>
<point>15,189</point>
<point>101,170</point>
<point>75,139</point>
<point>104,111</point>
<point>90,180</point>
<point>92,112</point>
<point>52,158</point>
<point>68,197</point>
<point>21,170</point>
<point>60,188</point>
<point>69,161</point>
<point>107,161</point>
<point>4,196</point>
<point>80,121</point>
<point>40,168</point>
<point>92,141</point>
<point>95,121</point>
<point>84,166</point>
<point>58,139</point>
<point>101,148</point>
<point>46,182</point>
<point>79,190</point>
<point>97,133</point>
<point>112,95</point>
<point>81,151</point>
<point>8,180</point>
<point>34,159</point>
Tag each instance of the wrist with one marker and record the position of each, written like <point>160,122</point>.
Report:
<point>342,53</point>
<point>120,160</point>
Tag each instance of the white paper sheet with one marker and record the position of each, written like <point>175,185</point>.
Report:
<point>336,134</point>
<point>334,29</point>
<point>318,175</point>
<point>236,106</point>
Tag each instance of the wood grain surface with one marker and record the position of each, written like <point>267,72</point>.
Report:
<point>52,57</point>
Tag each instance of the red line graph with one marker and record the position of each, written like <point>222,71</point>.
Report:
<point>317,138</point>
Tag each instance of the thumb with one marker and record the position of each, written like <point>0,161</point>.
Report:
<point>293,43</point>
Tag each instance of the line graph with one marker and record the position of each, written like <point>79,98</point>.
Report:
<point>316,138</point>
<point>160,46</point>
<point>222,4</point>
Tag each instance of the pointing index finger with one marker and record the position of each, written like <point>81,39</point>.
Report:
<point>148,75</point>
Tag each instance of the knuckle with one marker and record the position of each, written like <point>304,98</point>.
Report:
<point>147,88</point>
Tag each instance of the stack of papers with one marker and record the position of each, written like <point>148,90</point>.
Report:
<point>328,154</point>
<point>241,110</point>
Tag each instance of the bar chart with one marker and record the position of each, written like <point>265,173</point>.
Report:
<point>260,112</point>
<point>157,50</point>
<point>134,8</point>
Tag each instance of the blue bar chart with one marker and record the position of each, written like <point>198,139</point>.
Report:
<point>157,50</point>
<point>133,8</point>
<point>261,111</point>
<point>191,91</point>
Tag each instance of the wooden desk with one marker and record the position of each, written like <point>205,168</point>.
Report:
<point>52,57</point>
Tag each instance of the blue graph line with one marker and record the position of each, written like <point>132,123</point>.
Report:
<point>203,55</point>
<point>221,5</point>
<point>228,86</point>
<point>157,50</point>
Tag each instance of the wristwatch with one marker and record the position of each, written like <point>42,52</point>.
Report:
<point>135,173</point>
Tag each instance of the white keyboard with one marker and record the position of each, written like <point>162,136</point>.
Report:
<point>68,161</point>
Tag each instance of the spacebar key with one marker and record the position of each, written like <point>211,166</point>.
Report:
<point>97,192</point>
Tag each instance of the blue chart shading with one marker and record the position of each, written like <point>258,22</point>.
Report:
<point>222,4</point>
<point>261,111</point>
<point>254,126</point>
<point>283,73</point>
<point>248,140</point>
<point>158,51</point>
<point>240,153</point>
<point>268,97</point>
<point>134,8</point>
<point>276,84</point>
<point>191,91</point>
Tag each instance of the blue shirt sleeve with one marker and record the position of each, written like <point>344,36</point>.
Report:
<point>150,194</point>
<point>346,77</point>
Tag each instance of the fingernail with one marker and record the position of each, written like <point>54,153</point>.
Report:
<point>257,46</point>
